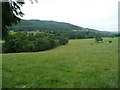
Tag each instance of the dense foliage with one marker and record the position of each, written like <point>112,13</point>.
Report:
<point>31,42</point>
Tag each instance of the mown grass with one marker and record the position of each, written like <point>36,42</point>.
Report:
<point>79,64</point>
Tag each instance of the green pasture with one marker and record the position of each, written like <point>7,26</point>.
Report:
<point>81,63</point>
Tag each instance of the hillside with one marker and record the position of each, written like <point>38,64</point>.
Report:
<point>38,25</point>
<point>31,25</point>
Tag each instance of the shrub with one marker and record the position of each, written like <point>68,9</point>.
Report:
<point>98,38</point>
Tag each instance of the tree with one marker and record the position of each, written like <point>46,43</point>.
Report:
<point>11,11</point>
<point>10,15</point>
<point>98,38</point>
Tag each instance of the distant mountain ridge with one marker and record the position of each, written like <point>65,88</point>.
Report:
<point>38,25</point>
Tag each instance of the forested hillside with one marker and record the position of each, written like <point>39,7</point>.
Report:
<point>58,28</point>
<point>31,25</point>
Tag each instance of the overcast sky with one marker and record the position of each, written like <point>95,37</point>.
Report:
<point>96,14</point>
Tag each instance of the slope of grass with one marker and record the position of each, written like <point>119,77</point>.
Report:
<point>79,64</point>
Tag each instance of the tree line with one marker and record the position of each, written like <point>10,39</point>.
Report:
<point>78,34</point>
<point>32,42</point>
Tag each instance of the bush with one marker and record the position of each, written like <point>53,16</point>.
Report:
<point>31,42</point>
<point>98,38</point>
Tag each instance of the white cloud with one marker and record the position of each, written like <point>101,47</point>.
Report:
<point>98,14</point>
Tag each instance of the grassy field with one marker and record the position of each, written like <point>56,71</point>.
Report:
<point>79,64</point>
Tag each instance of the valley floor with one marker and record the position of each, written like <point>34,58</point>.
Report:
<point>79,64</point>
